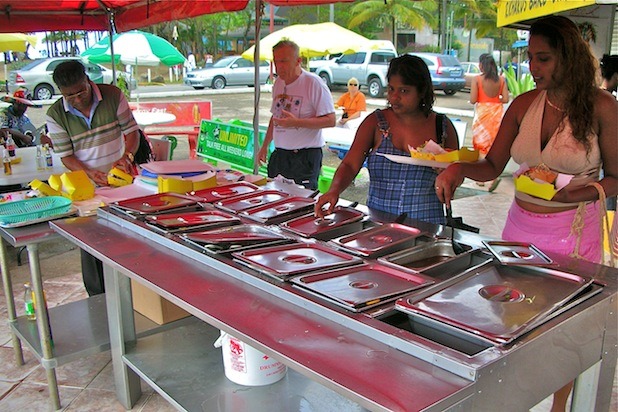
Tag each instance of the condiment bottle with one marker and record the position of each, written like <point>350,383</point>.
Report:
<point>40,160</point>
<point>49,160</point>
<point>10,144</point>
<point>6,160</point>
<point>29,302</point>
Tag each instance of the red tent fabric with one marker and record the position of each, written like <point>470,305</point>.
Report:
<point>24,16</point>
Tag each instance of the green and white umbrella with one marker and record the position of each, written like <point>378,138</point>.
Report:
<point>136,48</point>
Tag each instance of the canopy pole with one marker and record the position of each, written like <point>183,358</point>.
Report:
<point>259,6</point>
<point>110,29</point>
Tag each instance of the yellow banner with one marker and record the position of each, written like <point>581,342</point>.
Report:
<point>513,11</point>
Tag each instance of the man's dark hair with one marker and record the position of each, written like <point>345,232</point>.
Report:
<point>609,66</point>
<point>69,73</point>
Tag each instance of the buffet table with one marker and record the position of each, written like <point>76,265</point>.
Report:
<point>337,359</point>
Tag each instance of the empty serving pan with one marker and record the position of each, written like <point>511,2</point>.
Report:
<point>278,211</point>
<point>153,204</point>
<point>428,253</point>
<point>287,260</point>
<point>361,287</point>
<point>246,201</point>
<point>343,221</point>
<point>497,302</point>
<point>379,240</point>
<point>214,194</point>
<point>172,222</point>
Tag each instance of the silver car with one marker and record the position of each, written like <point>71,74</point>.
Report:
<point>36,76</point>
<point>228,71</point>
<point>446,72</point>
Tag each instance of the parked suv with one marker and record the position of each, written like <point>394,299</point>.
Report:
<point>446,72</point>
<point>36,76</point>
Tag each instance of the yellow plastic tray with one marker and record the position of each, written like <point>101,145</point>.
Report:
<point>541,190</point>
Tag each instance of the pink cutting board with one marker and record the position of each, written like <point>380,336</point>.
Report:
<point>177,166</point>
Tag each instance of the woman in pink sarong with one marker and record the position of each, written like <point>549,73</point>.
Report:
<point>488,93</point>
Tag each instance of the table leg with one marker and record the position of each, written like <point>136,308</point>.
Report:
<point>10,301</point>
<point>121,330</point>
<point>43,325</point>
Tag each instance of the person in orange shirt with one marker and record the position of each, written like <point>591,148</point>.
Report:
<point>353,102</point>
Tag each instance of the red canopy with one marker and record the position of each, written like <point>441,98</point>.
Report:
<point>38,15</point>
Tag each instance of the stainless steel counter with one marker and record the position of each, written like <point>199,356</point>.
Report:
<point>372,361</point>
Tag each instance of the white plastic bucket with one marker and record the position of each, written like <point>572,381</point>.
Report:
<point>247,366</point>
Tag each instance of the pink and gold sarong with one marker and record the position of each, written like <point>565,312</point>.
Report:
<point>556,232</point>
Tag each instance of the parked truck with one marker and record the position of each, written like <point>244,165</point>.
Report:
<point>368,66</point>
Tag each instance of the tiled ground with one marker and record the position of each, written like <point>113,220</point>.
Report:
<point>87,384</point>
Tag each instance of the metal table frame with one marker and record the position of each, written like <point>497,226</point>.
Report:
<point>334,349</point>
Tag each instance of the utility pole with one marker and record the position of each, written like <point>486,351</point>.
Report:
<point>443,15</point>
<point>332,13</point>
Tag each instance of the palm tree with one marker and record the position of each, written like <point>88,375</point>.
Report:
<point>417,14</point>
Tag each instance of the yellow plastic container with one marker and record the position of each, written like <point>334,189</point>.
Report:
<point>465,154</point>
<point>541,190</point>
<point>55,182</point>
<point>205,183</point>
<point>170,184</point>
<point>117,178</point>
<point>77,185</point>
<point>44,188</point>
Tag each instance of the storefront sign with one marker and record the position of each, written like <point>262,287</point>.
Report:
<point>230,142</point>
<point>513,11</point>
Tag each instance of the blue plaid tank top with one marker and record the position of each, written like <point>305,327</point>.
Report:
<point>399,188</point>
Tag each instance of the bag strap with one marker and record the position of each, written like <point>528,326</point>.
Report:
<point>605,219</point>
<point>441,128</point>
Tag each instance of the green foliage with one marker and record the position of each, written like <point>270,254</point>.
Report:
<point>123,85</point>
<point>517,87</point>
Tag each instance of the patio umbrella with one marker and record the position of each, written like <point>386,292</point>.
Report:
<point>135,47</point>
<point>17,42</point>
<point>313,40</point>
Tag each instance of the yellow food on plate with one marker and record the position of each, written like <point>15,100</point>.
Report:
<point>541,172</point>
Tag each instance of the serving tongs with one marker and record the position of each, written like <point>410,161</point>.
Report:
<point>454,222</point>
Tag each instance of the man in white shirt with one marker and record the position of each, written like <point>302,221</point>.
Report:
<point>302,106</point>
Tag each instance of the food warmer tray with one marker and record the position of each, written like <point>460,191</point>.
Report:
<point>214,194</point>
<point>343,221</point>
<point>379,240</point>
<point>284,261</point>
<point>235,238</point>
<point>428,253</point>
<point>191,221</point>
<point>155,204</point>
<point>517,253</point>
<point>281,210</point>
<point>498,303</point>
<point>361,287</point>
<point>237,204</point>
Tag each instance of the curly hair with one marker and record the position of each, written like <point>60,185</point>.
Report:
<point>414,72</point>
<point>576,70</point>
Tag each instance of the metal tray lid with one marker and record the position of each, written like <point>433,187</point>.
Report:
<point>241,234</point>
<point>498,303</point>
<point>379,239</point>
<point>249,200</point>
<point>280,208</point>
<point>156,203</point>
<point>517,253</point>
<point>310,225</point>
<point>287,260</point>
<point>361,287</point>
<point>223,192</point>
<point>186,219</point>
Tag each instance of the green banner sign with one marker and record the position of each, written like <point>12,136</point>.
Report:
<point>230,142</point>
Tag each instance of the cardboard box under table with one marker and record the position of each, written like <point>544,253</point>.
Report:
<point>153,306</point>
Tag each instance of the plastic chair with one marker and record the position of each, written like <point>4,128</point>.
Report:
<point>174,143</point>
